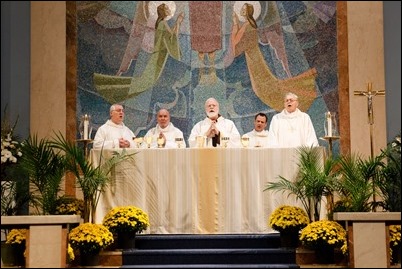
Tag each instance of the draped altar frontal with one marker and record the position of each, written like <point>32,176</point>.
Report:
<point>200,191</point>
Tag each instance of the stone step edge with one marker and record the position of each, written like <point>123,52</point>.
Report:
<point>303,257</point>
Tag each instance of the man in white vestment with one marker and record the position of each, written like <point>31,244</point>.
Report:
<point>114,133</point>
<point>292,127</point>
<point>213,128</point>
<point>258,137</point>
<point>166,130</point>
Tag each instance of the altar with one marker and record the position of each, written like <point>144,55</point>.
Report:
<point>200,191</point>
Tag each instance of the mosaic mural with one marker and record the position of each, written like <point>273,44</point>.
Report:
<point>201,50</point>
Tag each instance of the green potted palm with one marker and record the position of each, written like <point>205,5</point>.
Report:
<point>14,196</point>
<point>363,179</point>
<point>355,184</point>
<point>389,180</point>
<point>92,180</point>
<point>314,180</point>
<point>45,169</point>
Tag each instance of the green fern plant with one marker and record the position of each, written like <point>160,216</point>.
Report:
<point>355,184</point>
<point>313,181</point>
<point>90,179</point>
<point>45,169</point>
<point>389,181</point>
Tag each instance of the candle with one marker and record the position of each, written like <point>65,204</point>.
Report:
<point>329,124</point>
<point>86,124</point>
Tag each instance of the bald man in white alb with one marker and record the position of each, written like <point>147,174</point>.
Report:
<point>164,128</point>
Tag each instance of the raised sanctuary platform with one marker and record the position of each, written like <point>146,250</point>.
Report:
<point>47,239</point>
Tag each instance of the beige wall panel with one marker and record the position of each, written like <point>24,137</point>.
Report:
<point>366,64</point>
<point>48,68</point>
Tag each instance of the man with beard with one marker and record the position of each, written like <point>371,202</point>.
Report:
<point>214,127</point>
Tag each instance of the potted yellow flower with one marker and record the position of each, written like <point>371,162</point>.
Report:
<point>15,242</point>
<point>125,222</point>
<point>70,254</point>
<point>89,239</point>
<point>66,205</point>
<point>17,236</point>
<point>288,220</point>
<point>323,237</point>
<point>395,243</point>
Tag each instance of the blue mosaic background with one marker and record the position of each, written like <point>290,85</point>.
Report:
<point>310,41</point>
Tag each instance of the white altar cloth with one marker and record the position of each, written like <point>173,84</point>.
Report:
<point>200,191</point>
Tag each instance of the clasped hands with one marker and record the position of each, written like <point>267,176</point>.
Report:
<point>179,20</point>
<point>124,143</point>
<point>213,130</point>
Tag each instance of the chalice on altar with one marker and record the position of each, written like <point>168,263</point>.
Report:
<point>224,141</point>
<point>245,140</point>
<point>148,140</point>
<point>138,141</point>
<point>160,141</point>
<point>179,141</point>
<point>200,141</point>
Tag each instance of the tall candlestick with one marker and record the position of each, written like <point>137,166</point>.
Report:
<point>86,124</point>
<point>329,124</point>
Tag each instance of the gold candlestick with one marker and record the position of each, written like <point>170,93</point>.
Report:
<point>330,140</point>
<point>85,142</point>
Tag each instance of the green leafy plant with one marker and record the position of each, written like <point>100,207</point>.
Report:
<point>324,232</point>
<point>288,217</point>
<point>360,180</point>
<point>90,238</point>
<point>389,181</point>
<point>90,179</point>
<point>45,168</point>
<point>14,196</point>
<point>355,182</point>
<point>126,219</point>
<point>313,181</point>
